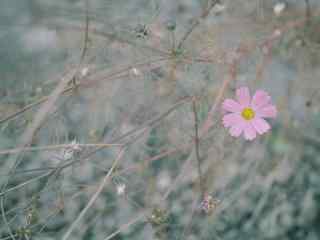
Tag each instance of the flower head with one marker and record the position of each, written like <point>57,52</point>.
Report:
<point>247,115</point>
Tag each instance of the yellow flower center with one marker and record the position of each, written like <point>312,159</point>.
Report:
<point>248,114</point>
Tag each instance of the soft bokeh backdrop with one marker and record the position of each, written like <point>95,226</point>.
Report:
<point>139,67</point>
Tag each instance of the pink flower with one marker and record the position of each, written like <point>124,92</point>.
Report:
<point>247,115</point>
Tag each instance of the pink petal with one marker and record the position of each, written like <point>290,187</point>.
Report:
<point>260,99</point>
<point>243,96</point>
<point>249,132</point>
<point>232,119</point>
<point>268,111</point>
<point>260,125</point>
<point>231,106</point>
<point>236,130</point>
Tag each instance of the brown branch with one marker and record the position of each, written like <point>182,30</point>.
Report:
<point>55,147</point>
<point>197,22</point>
<point>86,33</point>
<point>102,184</point>
<point>196,144</point>
<point>111,76</point>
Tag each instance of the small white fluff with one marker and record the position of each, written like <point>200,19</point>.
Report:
<point>279,8</point>
<point>163,180</point>
<point>277,33</point>
<point>219,8</point>
<point>66,154</point>
<point>121,188</point>
<point>135,71</point>
<point>84,71</point>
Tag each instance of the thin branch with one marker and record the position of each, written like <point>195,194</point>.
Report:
<point>55,147</point>
<point>197,22</point>
<point>126,226</point>
<point>40,116</point>
<point>192,214</point>
<point>103,183</point>
<point>24,183</point>
<point>132,132</point>
<point>86,33</point>
<point>114,37</point>
<point>110,76</point>
<point>53,170</point>
<point>308,12</point>
<point>196,144</point>
<point>30,106</point>
<point>166,194</point>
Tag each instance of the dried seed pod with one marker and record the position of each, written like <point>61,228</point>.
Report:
<point>209,204</point>
<point>158,216</point>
